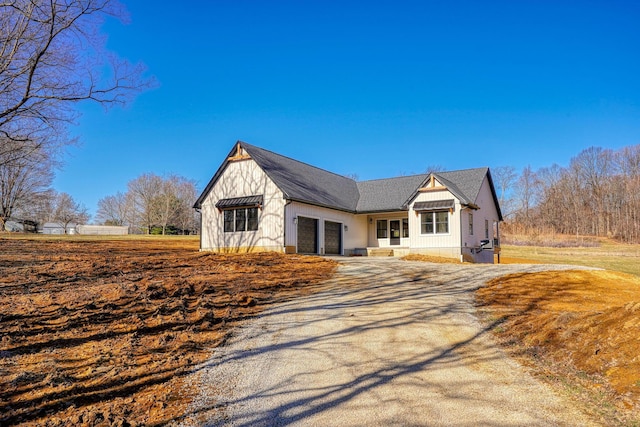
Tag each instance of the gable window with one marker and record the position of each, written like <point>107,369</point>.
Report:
<point>381,227</point>
<point>434,222</point>
<point>470,224</point>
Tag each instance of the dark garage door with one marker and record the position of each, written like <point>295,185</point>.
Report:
<point>307,235</point>
<point>332,238</point>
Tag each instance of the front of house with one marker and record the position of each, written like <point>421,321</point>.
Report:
<point>262,201</point>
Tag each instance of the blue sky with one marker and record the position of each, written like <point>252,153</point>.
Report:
<point>375,88</point>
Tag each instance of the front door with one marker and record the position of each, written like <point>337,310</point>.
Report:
<point>394,229</point>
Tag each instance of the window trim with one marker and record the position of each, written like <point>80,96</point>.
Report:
<point>232,217</point>
<point>405,228</point>
<point>434,224</point>
<point>385,229</point>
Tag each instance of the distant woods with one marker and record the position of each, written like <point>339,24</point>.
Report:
<point>152,205</point>
<point>598,194</point>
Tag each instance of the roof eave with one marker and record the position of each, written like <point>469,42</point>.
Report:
<point>320,205</point>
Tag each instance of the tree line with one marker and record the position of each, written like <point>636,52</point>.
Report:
<point>153,205</point>
<point>598,194</point>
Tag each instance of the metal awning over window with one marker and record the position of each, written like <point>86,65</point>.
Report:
<point>240,202</point>
<point>434,205</point>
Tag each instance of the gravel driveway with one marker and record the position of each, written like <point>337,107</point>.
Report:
<point>389,343</point>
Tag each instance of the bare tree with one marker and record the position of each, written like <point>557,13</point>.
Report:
<point>52,56</point>
<point>505,178</point>
<point>21,181</point>
<point>144,191</point>
<point>115,210</point>
<point>68,211</point>
<point>186,218</point>
<point>166,203</point>
<point>525,196</point>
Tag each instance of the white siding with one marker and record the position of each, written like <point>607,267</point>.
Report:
<point>243,178</point>
<point>354,236</point>
<point>446,244</point>
<point>374,242</point>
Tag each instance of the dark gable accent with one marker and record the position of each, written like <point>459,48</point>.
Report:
<point>434,205</point>
<point>240,202</point>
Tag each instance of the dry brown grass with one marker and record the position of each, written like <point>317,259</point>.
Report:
<point>579,327</point>
<point>103,332</point>
<point>430,258</point>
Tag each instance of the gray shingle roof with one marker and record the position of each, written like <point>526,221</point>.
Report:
<point>465,184</point>
<point>390,194</point>
<point>309,184</point>
<point>305,183</point>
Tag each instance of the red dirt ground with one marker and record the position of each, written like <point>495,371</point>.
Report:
<point>104,332</point>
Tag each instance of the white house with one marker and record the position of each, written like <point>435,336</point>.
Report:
<point>262,201</point>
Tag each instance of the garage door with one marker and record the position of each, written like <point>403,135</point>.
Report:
<point>307,235</point>
<point>332,238</point>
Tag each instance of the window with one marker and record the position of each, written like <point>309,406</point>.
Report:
<point>486,228</point>
<point>405,227</point>
<point>442,222</point>
<point>426,223</point>
<point>434,222</point>
<point>252,219</point>
<point>241,219</point>
<point>229,221</point>
<point>381,227</point>
<point>470,224</point>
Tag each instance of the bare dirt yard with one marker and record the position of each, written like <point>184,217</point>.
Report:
<point>104,332</point>
<point>577,329</point>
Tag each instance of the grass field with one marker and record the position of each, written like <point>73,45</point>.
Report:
<point>609,255</point>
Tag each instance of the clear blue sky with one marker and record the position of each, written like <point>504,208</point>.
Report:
<point>373,88</point>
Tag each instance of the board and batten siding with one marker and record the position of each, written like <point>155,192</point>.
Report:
<point>353,237</point>
<point>487,212</point>
<point>374,242</point>
<point>445,245</point>
<point>242,178</point>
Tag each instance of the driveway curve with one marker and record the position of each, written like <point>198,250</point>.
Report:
<point>388,343</point>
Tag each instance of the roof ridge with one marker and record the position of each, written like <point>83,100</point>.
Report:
<point>396,177</point>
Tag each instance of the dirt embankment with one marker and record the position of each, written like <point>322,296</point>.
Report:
<point>104,332</point>
<point>580,328</point>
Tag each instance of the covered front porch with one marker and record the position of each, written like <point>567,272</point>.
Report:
<point>388,231</point>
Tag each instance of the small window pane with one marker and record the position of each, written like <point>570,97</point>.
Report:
<point>470,224</point>
<point>442,222</point>
<point>405,227</point>
<point>382,229</point>
<point>426,222</point>
<point>252,219</point>
<point>228,221</point>
<point>486,228</point>
<point>241,219</point>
